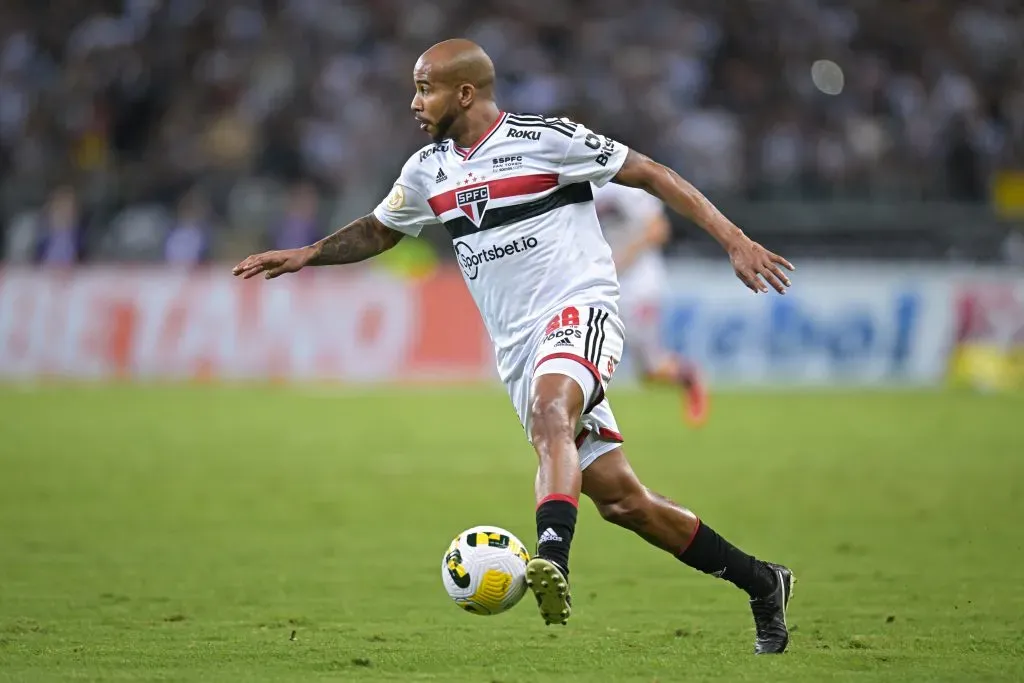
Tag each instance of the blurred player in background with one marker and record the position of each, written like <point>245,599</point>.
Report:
<point>636,227</point>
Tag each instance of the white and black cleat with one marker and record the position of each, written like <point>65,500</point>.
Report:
<point>549,585</point>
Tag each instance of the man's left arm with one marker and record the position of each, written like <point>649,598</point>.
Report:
<point>750,260</point>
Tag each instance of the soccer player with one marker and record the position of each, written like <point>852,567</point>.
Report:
<point>636,227</point>
<point>514,192</point>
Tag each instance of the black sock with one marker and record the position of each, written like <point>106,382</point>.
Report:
<point>710,553</point>
<point>556,522</point>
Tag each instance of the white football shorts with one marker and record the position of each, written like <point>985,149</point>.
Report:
<point>584,343</point>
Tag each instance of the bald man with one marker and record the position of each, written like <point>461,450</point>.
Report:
<point>514,193</point>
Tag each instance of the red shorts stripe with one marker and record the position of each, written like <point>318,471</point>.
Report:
<point>599,394</point>
<point>572,356</point>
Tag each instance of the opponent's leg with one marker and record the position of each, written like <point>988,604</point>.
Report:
<point>678,371</point>
<point>657,365</point>
<point>555,406</point>
<point>622,499</point>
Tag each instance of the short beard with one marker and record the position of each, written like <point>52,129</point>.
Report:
<point>443,127</point>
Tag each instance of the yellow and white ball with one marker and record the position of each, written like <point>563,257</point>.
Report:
<point>484,570</point>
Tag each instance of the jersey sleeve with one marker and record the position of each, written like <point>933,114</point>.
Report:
<point>591,157</point>
<point>405,209</point>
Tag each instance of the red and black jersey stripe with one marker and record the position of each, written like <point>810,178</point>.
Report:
<point>532,183</point>
<point>460,226</point>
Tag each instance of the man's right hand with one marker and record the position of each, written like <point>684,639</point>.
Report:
<point>274,263</point>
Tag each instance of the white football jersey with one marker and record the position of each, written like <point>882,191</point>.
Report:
<point>624,213</point>
<point>519,208</point>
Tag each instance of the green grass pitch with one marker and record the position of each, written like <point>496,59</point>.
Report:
<point>281,534</point>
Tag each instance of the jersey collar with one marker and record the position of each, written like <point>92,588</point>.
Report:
<point>466,154</point>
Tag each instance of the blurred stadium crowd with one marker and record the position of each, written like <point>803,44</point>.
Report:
<point>185,130</point>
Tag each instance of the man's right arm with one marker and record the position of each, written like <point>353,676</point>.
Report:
<point>405,211</point>
<point>361,239</point>
<point>357,241</point>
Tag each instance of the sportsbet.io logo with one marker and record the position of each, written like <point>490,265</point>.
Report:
<point>470,260</point>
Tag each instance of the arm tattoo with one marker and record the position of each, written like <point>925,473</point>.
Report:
<point>359,240</point>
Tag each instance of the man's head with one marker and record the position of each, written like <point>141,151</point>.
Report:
<point>451,77</point>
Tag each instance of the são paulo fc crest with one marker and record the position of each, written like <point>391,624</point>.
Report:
<point>473,202</point>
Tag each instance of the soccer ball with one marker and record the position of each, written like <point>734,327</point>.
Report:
<point>484,570</point>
